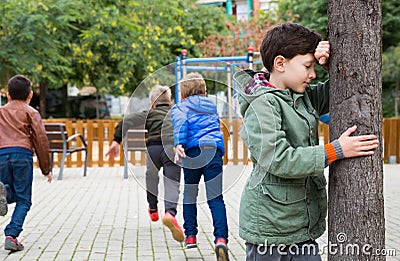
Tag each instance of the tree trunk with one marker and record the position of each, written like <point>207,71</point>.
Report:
<point>42,105</point>
<point>396,98</point>
<point>356,210</point>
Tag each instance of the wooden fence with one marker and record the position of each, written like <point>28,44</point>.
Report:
<point>391,138</point>
<point>99,135</point>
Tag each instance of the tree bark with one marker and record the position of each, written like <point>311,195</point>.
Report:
<point>356,204</point>
<point>396,98</point>
<point>42,94</point>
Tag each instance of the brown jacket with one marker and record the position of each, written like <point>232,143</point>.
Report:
<point>22,126</point>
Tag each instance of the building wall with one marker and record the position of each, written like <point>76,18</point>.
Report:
<point>242,9</point>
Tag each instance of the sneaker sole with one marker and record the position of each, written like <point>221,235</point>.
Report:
<point>177,234</point>
<point>189,246</point>
<point>3,200</point>
<point>222,253</point>
<point>13,247</point>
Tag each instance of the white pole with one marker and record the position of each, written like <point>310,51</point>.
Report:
<point>229,80</point>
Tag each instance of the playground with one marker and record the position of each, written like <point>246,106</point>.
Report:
<point>103,217</point>
<point>97,207</point>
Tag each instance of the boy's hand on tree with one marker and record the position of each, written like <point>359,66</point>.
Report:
<point>322,53</point>
<point>354,146</point>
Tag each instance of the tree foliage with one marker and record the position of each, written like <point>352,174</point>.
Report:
<point>31,37</point>
<point>391,63</point>
<point>235,43</point>
<point>391,77</point>
<point>313,14</point>
<point>390,23</point>
<point>112,45</point>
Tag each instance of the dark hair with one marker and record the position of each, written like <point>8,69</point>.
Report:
<point>19,87</point>
<point>288,40</point>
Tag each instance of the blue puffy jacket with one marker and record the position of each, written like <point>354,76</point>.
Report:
<point>196,123</point>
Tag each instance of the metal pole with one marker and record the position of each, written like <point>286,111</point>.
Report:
<point>250,60</point>
<point>177,78</point>
<point>182,73</point>
<point>229,80</point>
<point>234,93</point>
<point>217,59</point>
<point>184,53</point>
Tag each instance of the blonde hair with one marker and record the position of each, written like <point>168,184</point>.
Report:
<point>160,94</point>
<point>192,84</point>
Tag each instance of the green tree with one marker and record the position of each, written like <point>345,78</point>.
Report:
<point>391,73</point>
<point>119,44</point>
<point>31,40</point>
<point>390,23</point>
<point>309,13</point>
<point>112,45</point>
<point>32,37</point>
<point>313,14</point>
<point>235,43</point>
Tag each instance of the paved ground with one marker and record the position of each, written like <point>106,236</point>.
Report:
<point>104,217</point>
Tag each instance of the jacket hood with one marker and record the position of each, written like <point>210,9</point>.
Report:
<point>253,85</point>
<point>201,104</point>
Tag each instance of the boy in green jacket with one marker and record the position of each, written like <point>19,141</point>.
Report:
<point>284,203</point>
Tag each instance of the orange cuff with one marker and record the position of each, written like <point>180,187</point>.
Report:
<point>330,152</point>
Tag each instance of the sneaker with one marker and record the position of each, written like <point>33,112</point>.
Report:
<point>170,222</point>
<point>13,244</point>
<point>190,242</point>
<point>153,215</point>
<point>3,200</point>
<point>221,250</point>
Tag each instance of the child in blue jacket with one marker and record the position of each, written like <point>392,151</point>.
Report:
<point>199,142</point>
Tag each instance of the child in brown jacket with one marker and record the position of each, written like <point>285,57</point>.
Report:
<point>21,134</point>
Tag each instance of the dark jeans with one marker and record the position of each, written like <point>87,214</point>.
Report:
<point>16,170</point>
<point>162,156</point>
<point>305,251</point>
<point>207,162</point>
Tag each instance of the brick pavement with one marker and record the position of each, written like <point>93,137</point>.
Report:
<point>104,217</point>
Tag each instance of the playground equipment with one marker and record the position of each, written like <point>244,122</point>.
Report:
<point>183,65</point>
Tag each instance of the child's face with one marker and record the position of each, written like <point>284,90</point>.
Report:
<point>299,71</point>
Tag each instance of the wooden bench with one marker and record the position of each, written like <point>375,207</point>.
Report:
<point>135,140</point>
<point>59,143</point>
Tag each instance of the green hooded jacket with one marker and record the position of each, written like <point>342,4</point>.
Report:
<point>284,200</point>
